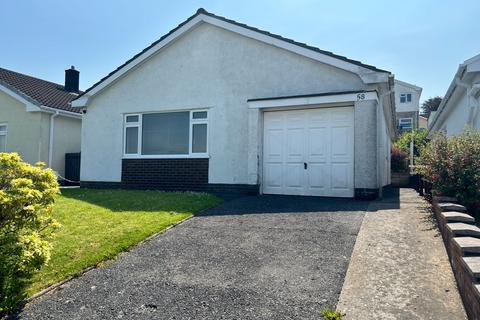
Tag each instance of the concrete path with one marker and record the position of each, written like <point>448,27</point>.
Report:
<point>399,268</point>
<point>264,257</point>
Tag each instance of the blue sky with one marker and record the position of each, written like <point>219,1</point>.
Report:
<point>421,42</point>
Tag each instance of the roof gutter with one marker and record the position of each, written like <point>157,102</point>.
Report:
<point>61,112</point>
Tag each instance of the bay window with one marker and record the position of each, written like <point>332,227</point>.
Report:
<point>168,134</point>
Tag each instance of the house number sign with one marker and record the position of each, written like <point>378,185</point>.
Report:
<point>360,96</point>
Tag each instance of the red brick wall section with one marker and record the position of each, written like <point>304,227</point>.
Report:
<point>465,281</point>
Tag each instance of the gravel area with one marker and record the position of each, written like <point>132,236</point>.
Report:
<point>257,257</point>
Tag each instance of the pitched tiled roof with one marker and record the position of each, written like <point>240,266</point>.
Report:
<point>42,92</point>
<point>203,11</point>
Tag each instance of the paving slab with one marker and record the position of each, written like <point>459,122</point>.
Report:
<point>463,229</point>
<point>473,265</point>
<point>454,216</point>
<point>468,244</point>
<point>399,268</point>
<point>450,206</point>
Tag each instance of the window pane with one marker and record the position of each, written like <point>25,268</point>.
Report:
<point>3,144</point>
<point>131,140</point>
<point>409,97</point>
<point>402,98</point>
<point>132,118</point>
<point>165,133</point>
<point>200,115</point>
<point>199,139</point>
<point>3,128</point>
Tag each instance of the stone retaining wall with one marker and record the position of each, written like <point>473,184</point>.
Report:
<point>462,242</point>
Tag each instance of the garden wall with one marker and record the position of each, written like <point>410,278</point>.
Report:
<point>462,242</point>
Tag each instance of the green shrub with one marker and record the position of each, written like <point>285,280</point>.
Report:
<point>26,199</point>
<point>419,141</point>
<point>453,166</point>
<point>329,314</point>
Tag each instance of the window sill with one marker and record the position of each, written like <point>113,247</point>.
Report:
<point>170,156</point>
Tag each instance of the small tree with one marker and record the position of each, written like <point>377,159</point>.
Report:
<point>429,105</point>
<point>26,199</point>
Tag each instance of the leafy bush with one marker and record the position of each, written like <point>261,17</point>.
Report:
<point>419,141</point>
<point>329,314</point>
<point>399,160</point>
<point>26,199</point>
<point>453,166</point>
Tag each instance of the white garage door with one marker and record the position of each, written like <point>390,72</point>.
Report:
<point>309,152</point>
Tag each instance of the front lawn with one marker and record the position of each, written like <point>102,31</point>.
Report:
<point>99,224</point>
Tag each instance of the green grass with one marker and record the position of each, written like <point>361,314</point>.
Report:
<point>330,314</point>
<point>99,224</point>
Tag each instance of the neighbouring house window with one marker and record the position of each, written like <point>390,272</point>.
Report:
<point>182,133</point>
<point>405,97</point>
<point>3,137</point>
<point>405,123</point>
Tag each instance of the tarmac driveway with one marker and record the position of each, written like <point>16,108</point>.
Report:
<point>257,257</point>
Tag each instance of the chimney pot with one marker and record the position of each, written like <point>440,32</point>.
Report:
<point>72,79</point>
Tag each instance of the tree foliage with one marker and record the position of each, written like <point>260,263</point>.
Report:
<point>419,141</point>
<point>26,200</point>
<point>429,105</point>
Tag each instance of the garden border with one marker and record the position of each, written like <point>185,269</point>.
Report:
<point>452,229</point>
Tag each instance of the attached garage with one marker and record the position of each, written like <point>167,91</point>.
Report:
<point>309,152</point>
<point>248,111</point>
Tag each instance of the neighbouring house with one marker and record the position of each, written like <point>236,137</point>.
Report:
<point>216,105</point>
<point>37,120</point>
<point>422,122</point>
<point>459,107</point>
<point>407,102</point>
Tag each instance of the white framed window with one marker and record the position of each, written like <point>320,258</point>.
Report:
<point>405,123</point>
<point>405,97</point>
<point>3,137</point>
<point>166,134</point>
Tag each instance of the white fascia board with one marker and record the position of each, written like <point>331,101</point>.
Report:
<point>30,106</point>
<point>61,112</point>
<point>444,105</point>
<point>473,59</point>
<point>82,101</point>
<point>367,75</point>
<point>305,101</point>
<point>406,84</point>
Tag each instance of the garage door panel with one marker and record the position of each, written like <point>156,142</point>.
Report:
<point>274,176</point>
<point>313,148</point>
<point>318,140</point>
<point>274,144</point>
<point>293,174</point>
<point>340,175</point>
<point>319,176</point>
<point>340,144</point>
<point>295,144</point>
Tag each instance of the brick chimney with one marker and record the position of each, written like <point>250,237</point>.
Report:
<point>72,77</point>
